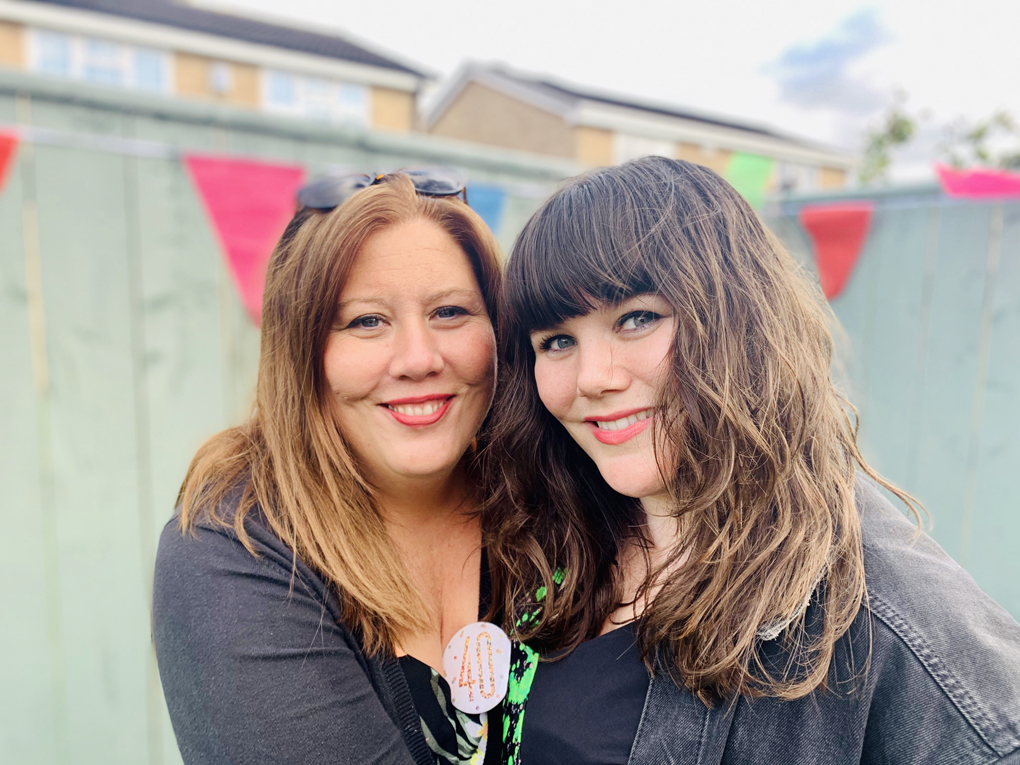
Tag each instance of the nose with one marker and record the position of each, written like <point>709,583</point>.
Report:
<point>598,370</point>
<point>416,354</point>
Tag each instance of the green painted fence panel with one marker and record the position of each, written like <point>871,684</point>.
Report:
<point>31,705</point>
<point>993,494</point>
<point>88,328</point>
<point>931,317</point>
<point>891,328</point>
<point>951,369</point>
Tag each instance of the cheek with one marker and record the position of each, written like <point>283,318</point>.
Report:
<point>651,363</point>
<point>472,353</point>
<point>557,386</point>
<point>350,372</point>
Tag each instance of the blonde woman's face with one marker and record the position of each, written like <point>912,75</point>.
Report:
<point>411,360</point>
<point>601,375</point>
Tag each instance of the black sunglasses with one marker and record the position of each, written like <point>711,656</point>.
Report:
<point>329,193</point>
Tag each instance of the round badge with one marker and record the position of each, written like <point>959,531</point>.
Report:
<point>476,665</point>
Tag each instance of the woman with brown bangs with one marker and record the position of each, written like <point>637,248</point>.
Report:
<point>682,523</point>
<point>324,553</point>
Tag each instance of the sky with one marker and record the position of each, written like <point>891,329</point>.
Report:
<point>826,70</point>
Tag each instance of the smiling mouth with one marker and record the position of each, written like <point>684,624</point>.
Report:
<point>621,428</point>
<point>623,422</point>
<point>419,412</point>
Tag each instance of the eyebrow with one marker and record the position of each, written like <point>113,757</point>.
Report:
<point>611,303</point>
<point>435,297</point>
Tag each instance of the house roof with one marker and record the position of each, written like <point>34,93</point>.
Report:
<point>581,93</point>
<point>181,16</point>
<point>565,98</point>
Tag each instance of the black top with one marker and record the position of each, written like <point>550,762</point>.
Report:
<point>452,735</point>
<point>586,707</point>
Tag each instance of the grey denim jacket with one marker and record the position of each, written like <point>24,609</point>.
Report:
<point>942,685</point>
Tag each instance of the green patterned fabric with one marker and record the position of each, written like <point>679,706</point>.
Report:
<point>523,663</point>
<point>469,731</point>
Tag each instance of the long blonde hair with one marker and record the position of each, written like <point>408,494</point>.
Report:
<point>290,459</point>
<point>762,451</point>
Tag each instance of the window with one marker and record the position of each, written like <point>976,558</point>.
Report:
<point>794,176</point>
<point>315,98</point>
<point>221,78</point>
<point>52,54</point>
<point>352,104</point>
<point>95,60</point>
<point>281,92</point>
<point>150,70</point>
<point>103,62</point>
<point>627,147</point>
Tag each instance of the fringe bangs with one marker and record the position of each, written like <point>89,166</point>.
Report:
<point>570,257</point>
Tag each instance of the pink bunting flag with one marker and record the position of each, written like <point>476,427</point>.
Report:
<point>8,146</point>
<point>978,184</point>
<point>838,232</point>
<point>249,204</point>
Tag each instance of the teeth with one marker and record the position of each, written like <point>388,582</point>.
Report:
<point>417,410</point>
<point>625,422</point>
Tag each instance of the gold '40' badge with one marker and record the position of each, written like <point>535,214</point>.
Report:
<point>476,664</point>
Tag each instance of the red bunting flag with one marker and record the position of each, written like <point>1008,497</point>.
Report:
<point>249,204</point>
<point>978,184</point>
<point>838,232</point>
<point>8,145</point>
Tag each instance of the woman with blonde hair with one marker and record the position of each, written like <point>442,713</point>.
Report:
<point>325,551</point>
<point>681,518</point>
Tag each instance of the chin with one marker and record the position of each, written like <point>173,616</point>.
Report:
<point>431,467</point>
<point>633,481</point>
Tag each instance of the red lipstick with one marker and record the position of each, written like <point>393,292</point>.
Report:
<point>418,420</point>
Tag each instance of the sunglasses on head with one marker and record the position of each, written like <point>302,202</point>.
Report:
<point>330,193</point>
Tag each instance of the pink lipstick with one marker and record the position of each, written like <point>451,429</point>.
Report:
<point>618,427</point>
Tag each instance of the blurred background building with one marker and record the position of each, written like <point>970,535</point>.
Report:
<point>494,105</point>
<point>180,51</point>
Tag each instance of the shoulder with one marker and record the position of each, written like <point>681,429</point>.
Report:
<point>207,563</point>
<point>939,644</point>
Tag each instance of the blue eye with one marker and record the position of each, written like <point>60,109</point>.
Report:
<point>449,312</point>
<point>372,321</point>
<point>558,343</point>
<point>638,320</point>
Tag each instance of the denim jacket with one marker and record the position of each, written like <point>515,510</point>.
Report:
<point>942,684</point>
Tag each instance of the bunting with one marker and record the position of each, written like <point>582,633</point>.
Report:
<point>838,233</point>
<point>978,184</point>
<point>749,174</point>
<point>249,204</point>
<point>8,147</point>
<point>488,202</point>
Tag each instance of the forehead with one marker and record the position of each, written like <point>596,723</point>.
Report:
<point>408,258</point>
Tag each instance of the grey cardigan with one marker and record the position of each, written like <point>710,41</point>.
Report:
<point>256,667</point>
<point>943,685</point>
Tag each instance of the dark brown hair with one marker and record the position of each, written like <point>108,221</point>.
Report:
<point>290,457</point>
<point>761,447</point>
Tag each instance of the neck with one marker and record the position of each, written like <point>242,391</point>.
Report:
<point>662,528</point>
<point>417,502</point>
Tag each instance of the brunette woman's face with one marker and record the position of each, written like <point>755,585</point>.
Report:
<point>601,375</point>
<point>411,358</point>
